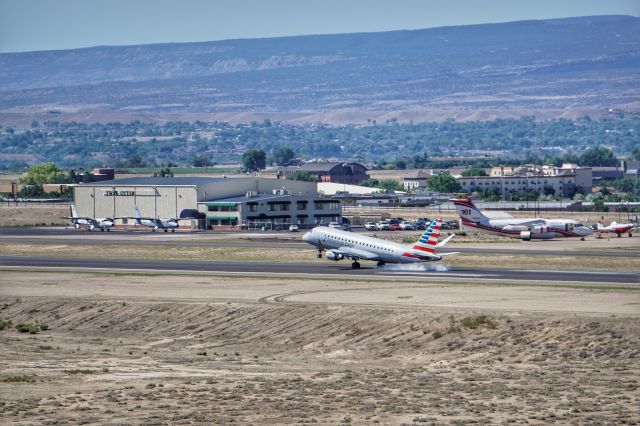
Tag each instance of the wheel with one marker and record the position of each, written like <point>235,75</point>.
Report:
<point>153,230</point>
<point>630,235</point>
<point>101,229</point>
<point>319,255</point>
<point>108,229</point>
<point>380,263</point>
<point>355,265</point>
<point>165,230</point>
<point>173,230</point>
<point>619,235</point>
<point>581,238</point>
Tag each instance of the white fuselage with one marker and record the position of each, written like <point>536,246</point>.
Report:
<point>101,224</point>
<point>545,229</point>
<point>380,250</point>
<point>159,223</point>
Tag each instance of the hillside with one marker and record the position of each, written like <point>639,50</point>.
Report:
<point>586,64</point>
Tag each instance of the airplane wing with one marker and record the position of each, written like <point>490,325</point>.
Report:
<point>88,219</point>
<point>360,254</point>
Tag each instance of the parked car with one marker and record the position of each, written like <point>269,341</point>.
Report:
<point>294,228</point>
<point>407,226</point>
<point>421,224</point>
<point>370,226</point>
<point>383,225</point>
<point>345,227</point>
<point>334,225</point>
<point>394,227</point>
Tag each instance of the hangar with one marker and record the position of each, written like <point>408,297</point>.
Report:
<point>209,202</point>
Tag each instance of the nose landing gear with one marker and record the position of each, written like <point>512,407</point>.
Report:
<point>355,265</point>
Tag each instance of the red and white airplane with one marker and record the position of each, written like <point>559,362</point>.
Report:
<point>616,228</point>
<point>525,229</point>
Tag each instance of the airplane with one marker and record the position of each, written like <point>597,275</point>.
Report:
<point>153,222</point>
<point>616,228</point>
<point>89,222</point>
<point>342,244</point>
<point>525,229</point>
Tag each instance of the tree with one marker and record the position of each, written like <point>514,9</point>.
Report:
<point>254,160</point>
<point>371,183</point>
<point>635,154</point>
<point>443,182</point>
<point>598,156</point>
<point>474,171</point>
<point>48,173</point>
<point>201,161</point>
<point>390,184</point>
<point>303,176</point>
<point>163,173</point>
<point>282,156</point>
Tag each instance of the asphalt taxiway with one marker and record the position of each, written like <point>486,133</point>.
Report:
<point>325,269</point>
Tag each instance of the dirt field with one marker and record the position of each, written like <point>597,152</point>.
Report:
<point>32,215</point>
<point>146,348</point>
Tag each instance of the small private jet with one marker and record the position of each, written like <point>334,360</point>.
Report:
<point>89,222</point>
<point>343,244</point>
<point>155,223</point>
<point>526,229</point>
<point>616,228</point>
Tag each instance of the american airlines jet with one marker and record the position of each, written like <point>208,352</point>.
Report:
<point>153,222</point>
<point>525,229</point>
<point>342,244</point>
<point>89,222</point>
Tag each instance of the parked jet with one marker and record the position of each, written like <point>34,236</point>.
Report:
<point>340,245</point>
<point>89,222</point>
<point>525,229</point>
<point>153,222</point>
<point>616,228</point>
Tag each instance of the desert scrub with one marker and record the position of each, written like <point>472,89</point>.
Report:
<point>26,327</point>
<point>436,334</point>
<point>17,379</point>
<point>4,323</point>
<point>81,371</point>
<point>478,321</point>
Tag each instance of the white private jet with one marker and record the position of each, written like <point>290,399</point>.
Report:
<point>616,228</point>
<point>525,229</point>
<point>89,222</point>
<point>341,244</point>
<point>153,222</point>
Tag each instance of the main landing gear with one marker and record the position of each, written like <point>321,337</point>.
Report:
<point>355,265</point>
<point>380,264</point>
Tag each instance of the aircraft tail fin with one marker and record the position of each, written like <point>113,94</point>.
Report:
<point>600,226</point>
<point>468,211</point>
<point>74,213</point>
<point>445,241</point>
<point>429,239</point>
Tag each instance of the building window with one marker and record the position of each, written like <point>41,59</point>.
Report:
<point>253,207</point>
<point>302,205</point>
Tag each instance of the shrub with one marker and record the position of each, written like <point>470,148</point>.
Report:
<point>81,371</point>
<point>44,327</point>
<point>476,322</point>
<point>17,379</point>
<point>203,353</point>
<point>4,323</point>
<point>436,334</point>
<point>24,327</point>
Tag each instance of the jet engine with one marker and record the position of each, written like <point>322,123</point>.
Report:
<point>333,255</point>
<point>525,235</point>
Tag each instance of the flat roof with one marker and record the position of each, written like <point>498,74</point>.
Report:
<point>157,181</point>
<point>245,199</point>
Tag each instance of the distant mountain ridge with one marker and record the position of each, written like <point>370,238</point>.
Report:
<point>584,62</point>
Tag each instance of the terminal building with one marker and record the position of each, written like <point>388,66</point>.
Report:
<point>214,203</point>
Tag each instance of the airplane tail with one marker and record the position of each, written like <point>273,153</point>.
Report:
<point>468,211</point>
<point>74,213</point>
<point>600,226</point>
<point>429,240</point>
<point>136,213</point>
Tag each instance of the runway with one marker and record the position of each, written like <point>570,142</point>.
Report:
<point>242,240</point>
<point>325,269</point>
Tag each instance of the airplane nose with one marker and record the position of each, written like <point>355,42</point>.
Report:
<point>308,238</point>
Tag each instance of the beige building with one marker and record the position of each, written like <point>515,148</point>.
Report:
<point>210,202</point>
<point>563,181</point>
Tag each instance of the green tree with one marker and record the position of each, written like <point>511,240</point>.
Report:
<point>201,161</point>
<point>443,182</point>
<point>635,153</point>
<point>474,171</point>
<point>371,183</point>
<point>48,173</point>
<point>390,184</point>
<point>598,156</point>
<point>254,160</point>
<point>282,156</point>
<point>303,176</point>
<point>163,173</point>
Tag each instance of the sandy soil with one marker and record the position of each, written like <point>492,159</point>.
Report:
<point>184,349</point>
<point>32,215</point>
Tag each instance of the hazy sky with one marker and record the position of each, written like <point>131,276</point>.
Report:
<point>62,24</point>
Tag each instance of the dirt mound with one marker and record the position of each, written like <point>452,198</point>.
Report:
<point>150,362</point>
